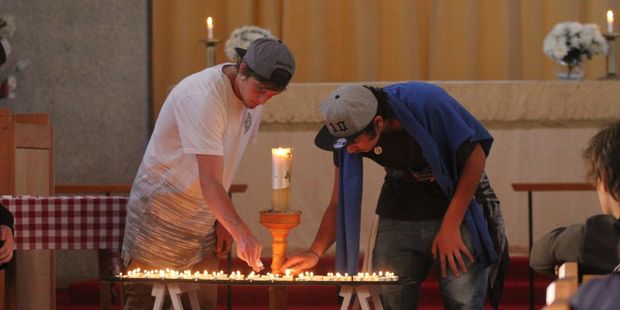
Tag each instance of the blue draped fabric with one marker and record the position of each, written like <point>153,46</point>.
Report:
<point>440,125</point>
<point>349,212</point>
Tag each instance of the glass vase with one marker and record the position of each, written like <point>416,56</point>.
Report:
<point>570,73</point>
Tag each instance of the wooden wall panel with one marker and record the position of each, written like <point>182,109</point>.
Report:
<point>32,172</point>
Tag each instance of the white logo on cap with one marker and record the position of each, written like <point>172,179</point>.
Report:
<point>340,143</point>
<point>338,127</point>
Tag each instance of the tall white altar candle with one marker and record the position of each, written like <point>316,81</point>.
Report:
<point>210,28</point>
<point>610,21</point>
<point>281,159</point>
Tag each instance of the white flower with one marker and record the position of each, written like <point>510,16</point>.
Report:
<point>568,42</point>
<point>574,28</point>
<point>592,37</point>
<point>7,25</point>
<point>242,38</point>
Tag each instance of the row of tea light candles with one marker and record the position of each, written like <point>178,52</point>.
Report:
<point>238,276</point>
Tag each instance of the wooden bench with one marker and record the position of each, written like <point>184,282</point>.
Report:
<point>560,291</point>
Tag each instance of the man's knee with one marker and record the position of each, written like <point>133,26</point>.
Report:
<point>466,291</point>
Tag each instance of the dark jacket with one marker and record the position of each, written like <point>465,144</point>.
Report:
<point>595,245</point>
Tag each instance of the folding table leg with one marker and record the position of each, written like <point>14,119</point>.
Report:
<point>176,290</point>
<point>363,295</point>
<point>159,290</point>
<point>175,295</point>
<point>347,294</point>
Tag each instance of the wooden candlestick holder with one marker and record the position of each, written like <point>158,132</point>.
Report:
<point>279,224</point>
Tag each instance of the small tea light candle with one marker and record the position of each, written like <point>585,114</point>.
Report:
<point>237,276</point>
<point>358,277</point>
<point>345,277</point>
<point>288,275</point>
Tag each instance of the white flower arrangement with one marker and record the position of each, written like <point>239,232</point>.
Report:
<point>242,38</point>
<point>8,80</point>
<point>568,42</point>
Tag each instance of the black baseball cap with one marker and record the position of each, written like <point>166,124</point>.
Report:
<point>265,55</point>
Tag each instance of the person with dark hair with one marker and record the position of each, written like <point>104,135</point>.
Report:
<point>595,244</point>
<point>179,214</point>
<point>436,206</point>
<point>6,236</point>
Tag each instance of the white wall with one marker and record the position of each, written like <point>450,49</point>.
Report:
<point>517,156</point>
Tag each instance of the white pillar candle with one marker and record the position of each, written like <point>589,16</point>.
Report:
<point>210,28</point>
<point>281,178</point>
<point>610,21</point>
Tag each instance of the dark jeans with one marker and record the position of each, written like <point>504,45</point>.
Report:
<point>404,247</point>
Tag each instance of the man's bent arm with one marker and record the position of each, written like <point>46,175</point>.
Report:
<point>210,169</point>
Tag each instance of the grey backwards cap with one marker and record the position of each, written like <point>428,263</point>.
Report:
<point>346,112</point>
<point>265,55</point>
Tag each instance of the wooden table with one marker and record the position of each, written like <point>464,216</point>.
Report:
<point>47,223</point>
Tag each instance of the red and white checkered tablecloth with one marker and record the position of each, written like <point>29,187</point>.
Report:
<point>67,222</point>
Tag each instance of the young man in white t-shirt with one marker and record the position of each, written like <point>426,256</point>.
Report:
<point>179,214</point>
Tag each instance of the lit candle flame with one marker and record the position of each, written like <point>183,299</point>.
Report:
<point>280,151</point>
<point>610,21</point>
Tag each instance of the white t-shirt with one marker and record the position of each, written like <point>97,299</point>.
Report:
<point>169,224</point>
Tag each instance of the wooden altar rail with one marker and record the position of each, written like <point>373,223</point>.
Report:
<point>543,187</point>
<point>109,189</point>
<point>551,187</point>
